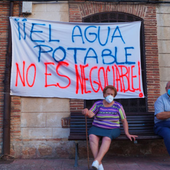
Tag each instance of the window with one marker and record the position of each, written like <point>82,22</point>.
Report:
<point>130,105</point>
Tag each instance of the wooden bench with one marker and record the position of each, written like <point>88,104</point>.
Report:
<point>140,124</point>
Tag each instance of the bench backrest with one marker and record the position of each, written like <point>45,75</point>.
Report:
<point>140,124</point>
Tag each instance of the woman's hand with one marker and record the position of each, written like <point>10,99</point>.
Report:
<point>131,136</point>
<point>87,113</point>
<point>126,129</point>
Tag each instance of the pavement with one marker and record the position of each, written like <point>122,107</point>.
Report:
<point>111,163</point>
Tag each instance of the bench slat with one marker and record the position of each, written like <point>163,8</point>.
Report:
<point>140,124</point>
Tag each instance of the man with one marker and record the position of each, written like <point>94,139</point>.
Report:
<point>162,117</point>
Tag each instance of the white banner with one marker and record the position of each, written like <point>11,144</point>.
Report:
<point>75,60</point>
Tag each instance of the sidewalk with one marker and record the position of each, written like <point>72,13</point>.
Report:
<point>113,163</point>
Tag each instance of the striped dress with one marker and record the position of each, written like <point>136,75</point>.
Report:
<point>107,117</point>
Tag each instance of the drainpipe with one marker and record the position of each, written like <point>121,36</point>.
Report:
<point>7,97</point>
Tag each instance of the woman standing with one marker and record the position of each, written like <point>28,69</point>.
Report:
<point>106,124</point>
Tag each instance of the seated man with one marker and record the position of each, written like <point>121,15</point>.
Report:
<point>162,117</point>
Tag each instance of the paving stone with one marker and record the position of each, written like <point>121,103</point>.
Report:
<point>109,163</point>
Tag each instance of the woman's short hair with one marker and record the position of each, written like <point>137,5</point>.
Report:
<point>110,87</point>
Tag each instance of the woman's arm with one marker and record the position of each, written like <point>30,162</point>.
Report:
<point>87,113</point>
<point>126,129</point>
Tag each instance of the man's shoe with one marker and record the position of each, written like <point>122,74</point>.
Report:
<point>95,165</point>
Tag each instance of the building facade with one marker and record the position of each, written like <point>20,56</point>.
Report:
<point>36,127</point>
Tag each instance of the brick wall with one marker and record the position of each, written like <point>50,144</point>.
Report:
<point>145,11</point>
<point>76,104</point>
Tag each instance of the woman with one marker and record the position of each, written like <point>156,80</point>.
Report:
<point>106,124</point>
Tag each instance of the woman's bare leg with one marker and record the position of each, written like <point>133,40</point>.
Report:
<point>94,144</point>
<point>106,141</point>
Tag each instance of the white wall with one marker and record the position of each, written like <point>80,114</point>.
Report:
<point>163,28</point>
<point>56,11</point>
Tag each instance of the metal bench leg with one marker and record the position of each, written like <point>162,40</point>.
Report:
<point>76,155</point>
